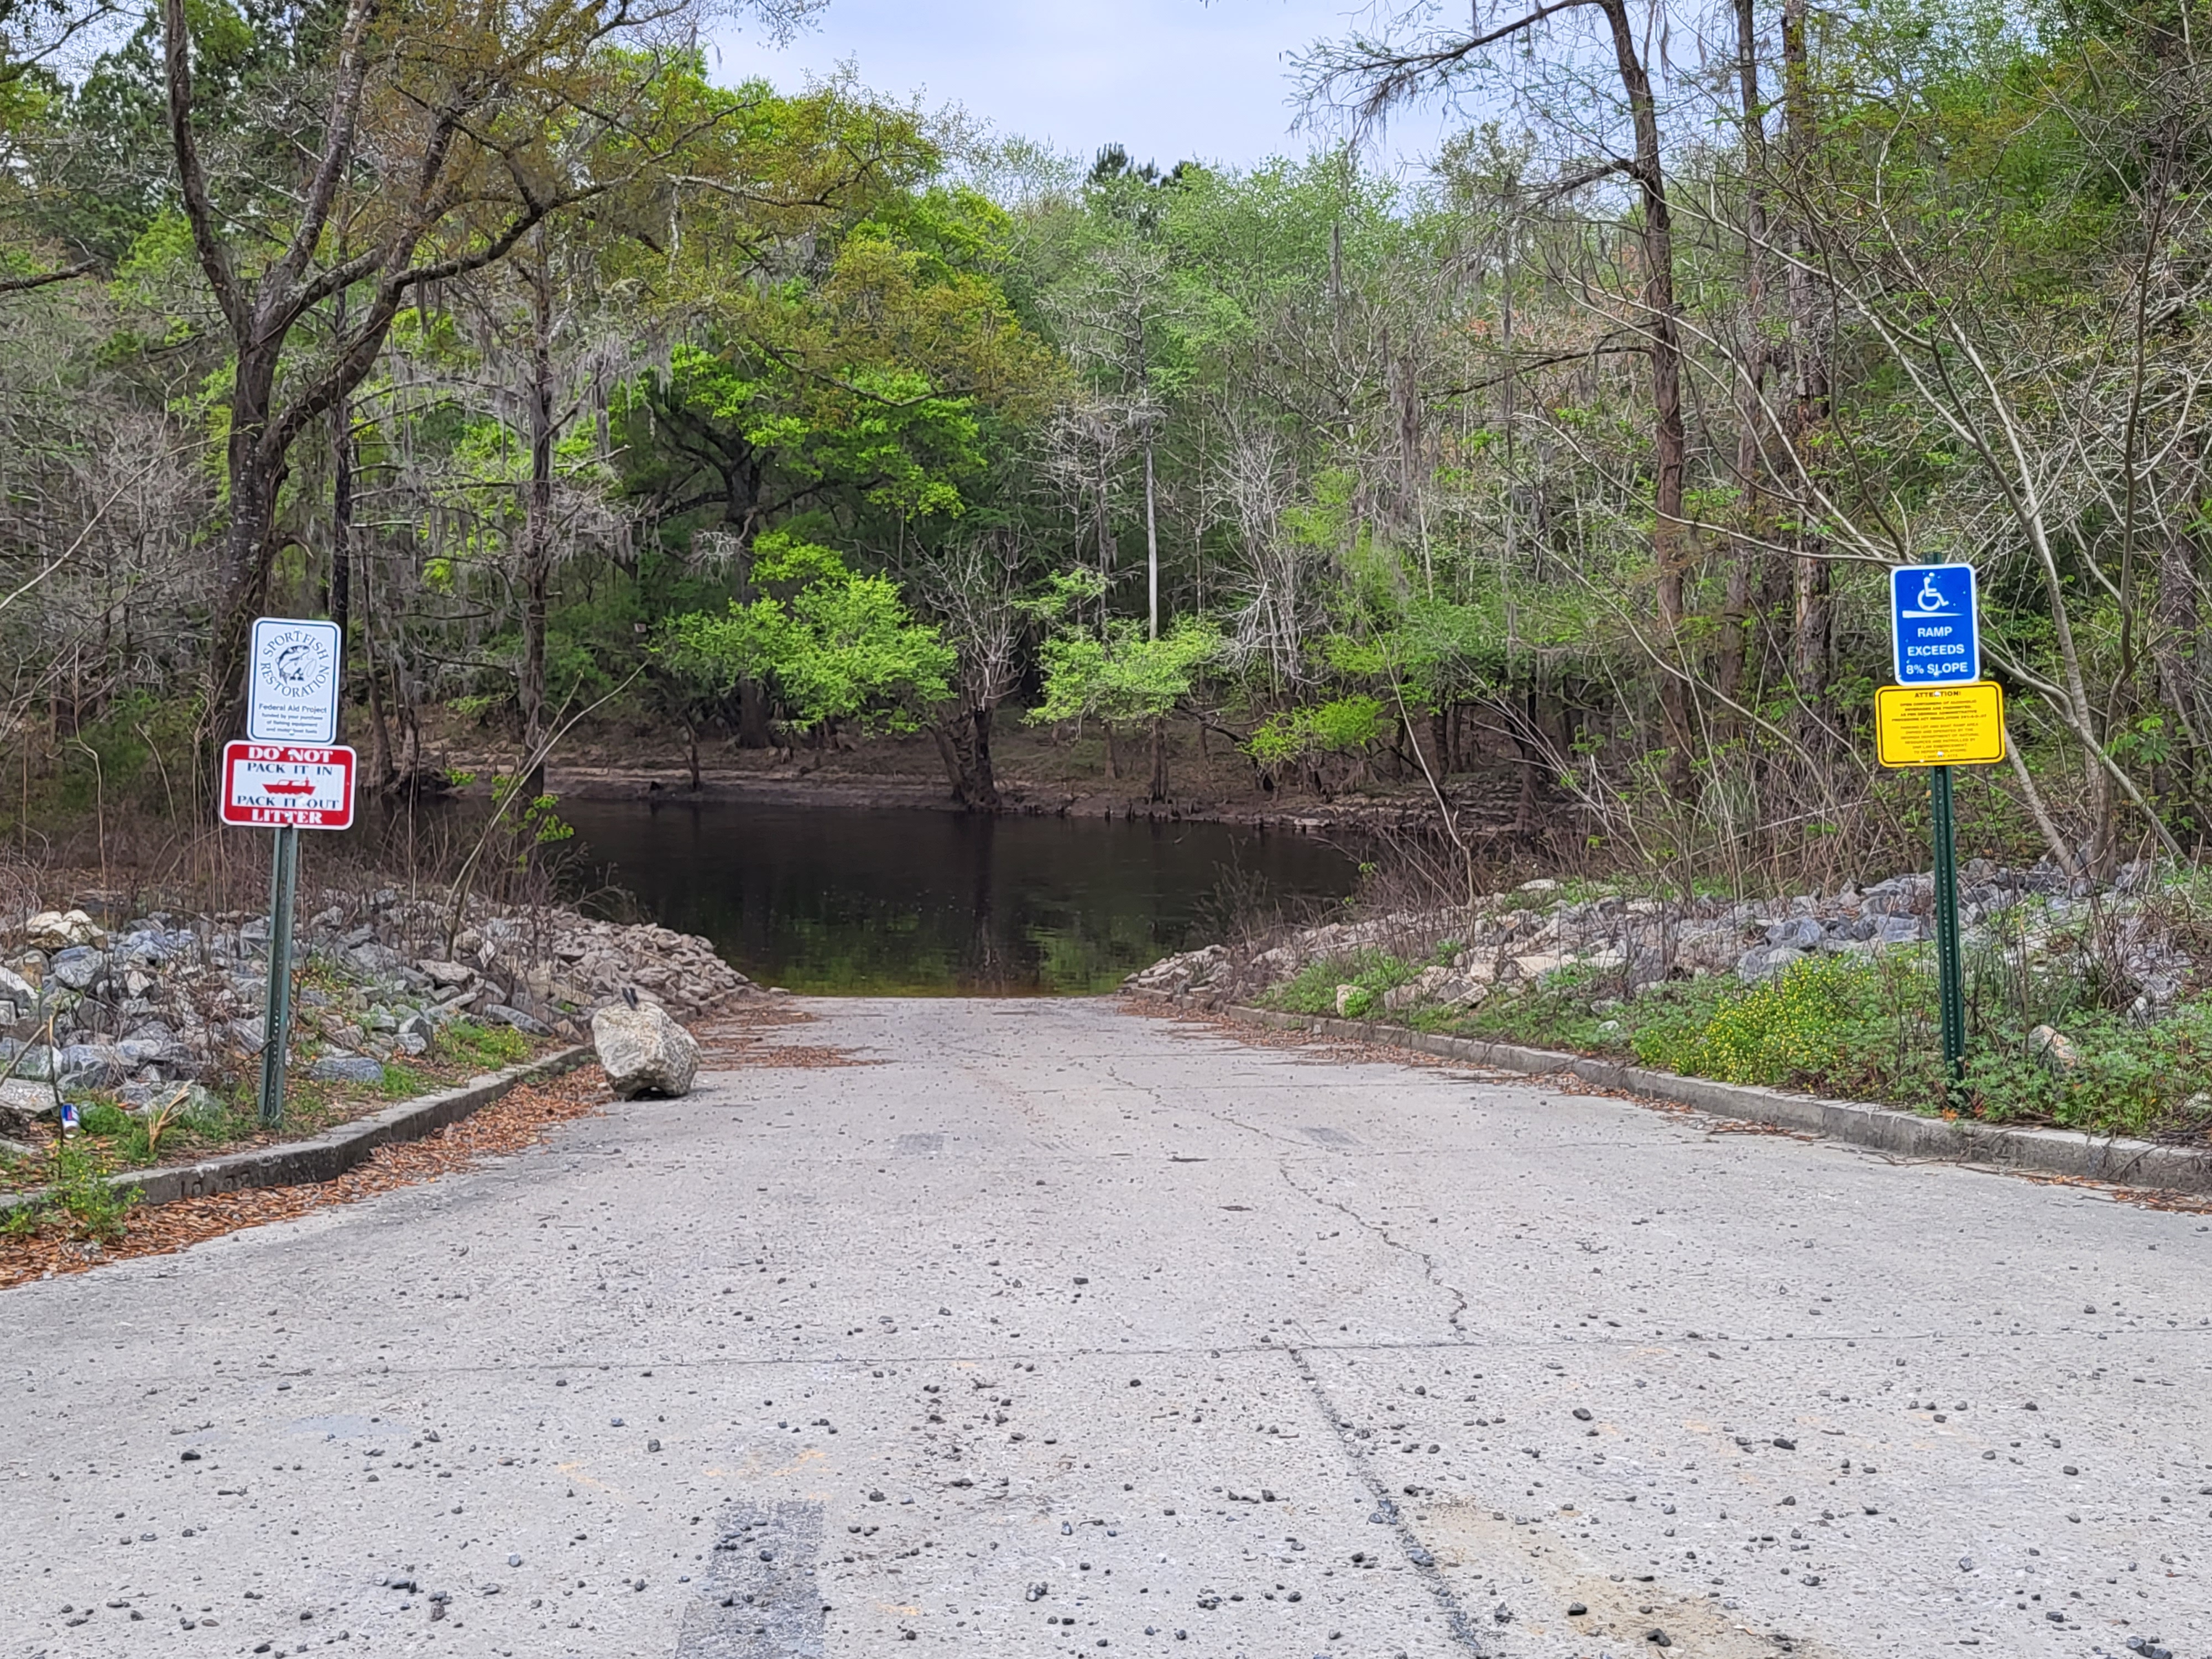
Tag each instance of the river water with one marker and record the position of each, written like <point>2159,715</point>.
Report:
<point>913,902</point>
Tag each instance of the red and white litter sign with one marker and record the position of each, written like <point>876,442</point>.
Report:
<point>269,785</point>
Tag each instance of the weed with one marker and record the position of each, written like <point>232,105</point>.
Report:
<point>1864,1028</point>
<point>1370,973</point>
<point>464,1041</point>
<point>401,1081</point>
<point>80,1191</point>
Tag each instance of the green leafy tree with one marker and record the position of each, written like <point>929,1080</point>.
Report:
<point>840,648</point>
<point>1116,670</point>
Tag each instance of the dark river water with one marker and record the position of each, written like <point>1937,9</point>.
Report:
<point>912,903</point>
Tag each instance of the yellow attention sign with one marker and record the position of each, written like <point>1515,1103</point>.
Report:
<point>1940,725</point>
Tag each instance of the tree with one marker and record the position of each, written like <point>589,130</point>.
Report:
<point>1379,76</point>
<point>442,137</point>
<point>1116,672</point>
<point>839,647</point>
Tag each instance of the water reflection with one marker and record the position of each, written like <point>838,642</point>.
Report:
<point>836,899</point>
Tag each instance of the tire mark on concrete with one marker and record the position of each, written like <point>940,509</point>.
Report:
<point>761,1599</point>
<point>1461,1624</point>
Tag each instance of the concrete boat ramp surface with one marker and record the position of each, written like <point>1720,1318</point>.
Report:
<point>1031,1328</point>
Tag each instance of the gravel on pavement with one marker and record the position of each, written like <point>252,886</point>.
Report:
<point>1036,1328</point>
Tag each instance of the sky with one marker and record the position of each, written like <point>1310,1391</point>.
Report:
<point>1169,80</point>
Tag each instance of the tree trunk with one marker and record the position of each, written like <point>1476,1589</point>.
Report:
<point>752,715</point>
<point>341,518</point>
<point>1663,346</point>
<point>1524,740</point>
<point>1748,554</point>
<point>380,768</point>
<point>2177,626</point>
<point>964,743</point>
<point>538,523</point>
<point>1159,760</point>
<point>980,722</point>
<point>1151,549</point>
<point>1813,624</point>
<point>248,549</point>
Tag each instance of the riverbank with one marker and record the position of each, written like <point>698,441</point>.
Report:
<point>147,1032</point>
<point>1040,774</point>
<point>2089,1010</point>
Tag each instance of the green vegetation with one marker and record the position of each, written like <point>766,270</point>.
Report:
<point>767,419</point>
<point>401,1081</point>
<point>479,1046</point>
<point>78,1195</point>
<point>1845,1027</point>
<point>1369,974</point>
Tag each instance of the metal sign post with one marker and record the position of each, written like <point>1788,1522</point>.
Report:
<point>289,775</point>
<point>1940,714</point>
<point>1950,982</point>
<point>277,1025</point>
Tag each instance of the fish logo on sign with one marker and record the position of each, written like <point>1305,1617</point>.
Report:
<point>292,688</point>
<point>1934,624</point>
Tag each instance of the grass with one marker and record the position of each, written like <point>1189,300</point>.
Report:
<point>134,1139</point>
<point>401,1081</point>
<point>465,1042</point>
<point>79,1195</point>
<point>120,1139</point>
<point>1860,1028</point>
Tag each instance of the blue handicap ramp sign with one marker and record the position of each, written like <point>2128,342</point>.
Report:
<point>1934,624</point>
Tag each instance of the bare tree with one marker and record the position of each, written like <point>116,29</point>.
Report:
<point>440,141</point>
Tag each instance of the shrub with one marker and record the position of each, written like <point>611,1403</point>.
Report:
<point>1797,1028</point>
<point>1370,973</point>
<point>80,1191</point>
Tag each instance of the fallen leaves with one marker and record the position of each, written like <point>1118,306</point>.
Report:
<point>518,1120</point>
<point>733,1042</point>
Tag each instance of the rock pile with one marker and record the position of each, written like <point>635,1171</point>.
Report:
<point>1537,930</point>
<point>163,997</point>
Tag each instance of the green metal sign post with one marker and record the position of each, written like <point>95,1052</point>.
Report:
<point>1940,714</point>
<point>277,1026</point>
<point>1950,982</point>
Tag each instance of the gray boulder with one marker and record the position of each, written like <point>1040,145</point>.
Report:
<point>1801,932</point>
<point>22,1105</point>
<point>503,1014</point>
<point>77,967</point>
<point>53,930</point>
<point>644,1051</point>
<point>1765,961</point>
<point>90,1066</point>
<point>18,991</point>
<point>347,1068</point>
<point>32,1062</point>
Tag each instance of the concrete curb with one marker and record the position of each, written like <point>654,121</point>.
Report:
<point>299,1163</point>
<point>1885,1128</point>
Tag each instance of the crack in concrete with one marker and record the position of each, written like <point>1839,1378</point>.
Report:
<point>1428,1261</point>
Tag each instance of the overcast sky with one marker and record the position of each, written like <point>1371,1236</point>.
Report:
<point>1167,79</point>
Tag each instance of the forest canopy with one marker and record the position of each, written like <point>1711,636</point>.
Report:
<point>565,376</point>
